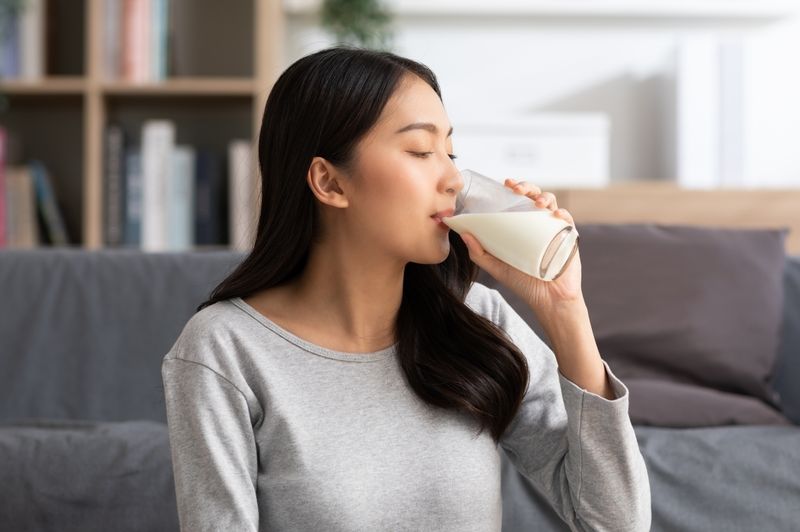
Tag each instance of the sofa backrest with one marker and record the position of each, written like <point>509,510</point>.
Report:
<point>786,372</point>
<point>83,333</point>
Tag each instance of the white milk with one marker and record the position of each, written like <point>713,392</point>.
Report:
<point>521,238</point>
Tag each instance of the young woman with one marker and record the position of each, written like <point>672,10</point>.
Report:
<point>343,376</point>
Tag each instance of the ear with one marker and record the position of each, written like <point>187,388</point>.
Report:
<point>323,179</point>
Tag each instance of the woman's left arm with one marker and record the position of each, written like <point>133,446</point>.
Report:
<point>588,465</point>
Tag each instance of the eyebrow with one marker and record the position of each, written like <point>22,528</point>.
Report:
<point>423,125</point>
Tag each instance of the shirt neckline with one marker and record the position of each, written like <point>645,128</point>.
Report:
<point>309,346</point>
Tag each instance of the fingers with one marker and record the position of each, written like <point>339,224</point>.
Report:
<point>543,200</point>
<point>563,213</point>
<point>523,187</point>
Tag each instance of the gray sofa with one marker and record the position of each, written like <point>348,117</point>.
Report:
<point>83,440</point>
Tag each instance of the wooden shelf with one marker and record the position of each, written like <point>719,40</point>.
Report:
<point>66,129</point>
<point>55,85</point>
<point>183,87</point>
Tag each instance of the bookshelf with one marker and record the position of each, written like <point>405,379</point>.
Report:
<point>223,59</point>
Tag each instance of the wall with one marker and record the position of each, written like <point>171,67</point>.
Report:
<point>627,67</point>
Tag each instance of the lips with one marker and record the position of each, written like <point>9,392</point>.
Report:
<point>442,214</point>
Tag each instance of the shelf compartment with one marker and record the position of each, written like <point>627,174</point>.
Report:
<point>50,128</point>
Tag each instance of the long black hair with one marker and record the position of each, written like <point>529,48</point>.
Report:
<point>322,105</point>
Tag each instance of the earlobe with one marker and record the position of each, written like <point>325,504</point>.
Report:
<point>323,179</point>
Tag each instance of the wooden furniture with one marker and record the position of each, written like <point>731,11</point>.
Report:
<point>666,203</point>
<point>228,55</point>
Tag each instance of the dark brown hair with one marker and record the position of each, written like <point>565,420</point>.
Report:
<point>322,105</point>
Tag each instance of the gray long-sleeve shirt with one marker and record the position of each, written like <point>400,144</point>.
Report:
<point>271,432</point>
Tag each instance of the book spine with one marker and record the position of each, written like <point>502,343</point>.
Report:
<point>10,49</point>
<point>47,205</point>
<point>242,194</point>
<point>114,185</point>
<point>209,198</point>
<point>164,41</point>
<point>32,39</point>
<point>128,39</point>
<point>143,50</point>
<point>135,31</point>
<point>12,206</point>
<point>158,141</point>
<point>112,35</point>
<point>24,224</point>
<point>133,197</point>
<point>181,199</point>
<point>158,40</point>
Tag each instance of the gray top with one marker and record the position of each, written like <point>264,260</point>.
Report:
<point>271,432</point>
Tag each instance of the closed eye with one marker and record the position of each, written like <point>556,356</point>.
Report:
<point>424,154</point>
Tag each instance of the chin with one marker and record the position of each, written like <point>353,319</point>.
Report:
<point>443,255</point>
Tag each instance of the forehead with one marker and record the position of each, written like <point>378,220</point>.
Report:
<point>413,101</point>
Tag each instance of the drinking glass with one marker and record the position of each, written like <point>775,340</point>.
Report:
<point>510,227</point>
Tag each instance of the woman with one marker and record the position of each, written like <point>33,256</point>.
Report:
<point>341,378</point>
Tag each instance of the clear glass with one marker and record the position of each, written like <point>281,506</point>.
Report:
<point>510,227</point>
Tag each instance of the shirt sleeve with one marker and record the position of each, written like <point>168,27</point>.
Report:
<point>213,448</point>
<point>578,448</point>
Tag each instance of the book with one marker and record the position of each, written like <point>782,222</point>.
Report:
<point>53,221</point>
<point>22,222</point>
<point>210,200</point>
<point>158,40</point>
<point>158,143</point>
<point>112,37</point>
<point>32,31</point>
<point>243,194</point>
<point>10,47</point>
<point>133,197</point>
<point>114,185</point>
<point>180,199</point>
<point>136,40</point>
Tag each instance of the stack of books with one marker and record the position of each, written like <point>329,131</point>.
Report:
<point>163,196</point>
<point>22,43</point>
<point>136,39</point>
<point>158,196</point>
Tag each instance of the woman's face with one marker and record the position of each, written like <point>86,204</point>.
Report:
<point>404,175</point>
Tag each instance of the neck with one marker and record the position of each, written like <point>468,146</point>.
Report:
<point>356,294</point>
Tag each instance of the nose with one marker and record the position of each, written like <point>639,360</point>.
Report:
<point>454,182</point>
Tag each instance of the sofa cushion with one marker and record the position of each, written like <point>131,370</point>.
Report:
<point>689,305</point>
<point>685,308</point>
<point>664,403</point>
<point>86,476</point>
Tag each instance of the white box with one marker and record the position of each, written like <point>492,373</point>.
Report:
<point>550,150</point>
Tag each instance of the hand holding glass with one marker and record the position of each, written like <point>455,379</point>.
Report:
<point>510,227</point>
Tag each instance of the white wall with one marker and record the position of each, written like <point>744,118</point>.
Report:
<point>772,113</point>
<point>512,66</point>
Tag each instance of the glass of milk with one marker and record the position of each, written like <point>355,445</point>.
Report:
<point>510,227</point>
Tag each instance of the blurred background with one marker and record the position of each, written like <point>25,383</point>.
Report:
<point>130,123</point>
